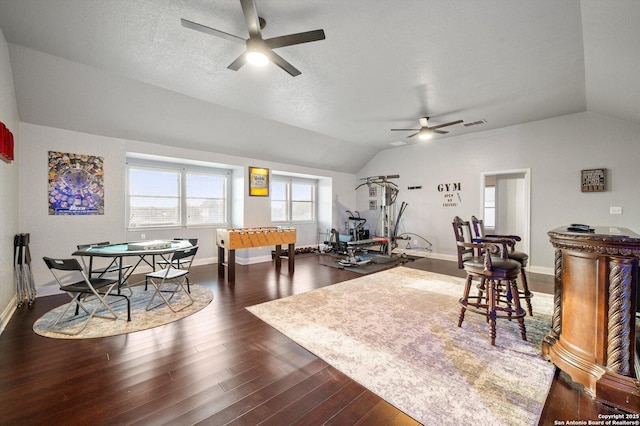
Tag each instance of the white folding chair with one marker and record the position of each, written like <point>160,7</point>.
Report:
<point>172,279</point>
<point>164,263</point>
<point>74,281</point>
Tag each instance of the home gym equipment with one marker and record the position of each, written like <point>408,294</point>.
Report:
<point>355,226</point>
<point>385,231</point>
<point>337,242</point>
<point>356,243</point>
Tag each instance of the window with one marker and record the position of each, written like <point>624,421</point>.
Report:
<point>279,201</point>
<point>172,196</point>
<point>293,200</point>
<point>490,207</point>
<point>206,198</point>
<point>154,197</point>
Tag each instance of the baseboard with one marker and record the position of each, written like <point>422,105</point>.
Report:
<point>541,270</point>
<point>8,313</point>
<point>413,252</point>
<point>252,260</point>
<point>441,256</point>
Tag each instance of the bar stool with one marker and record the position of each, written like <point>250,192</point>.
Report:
<point>498,279</point>
<point>519,256</point>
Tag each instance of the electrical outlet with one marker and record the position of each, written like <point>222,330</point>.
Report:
<point>143,236</point>
<point>615,210</point>
<point>415,243</point>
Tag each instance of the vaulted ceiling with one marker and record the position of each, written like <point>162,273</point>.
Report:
<point>129,69</point>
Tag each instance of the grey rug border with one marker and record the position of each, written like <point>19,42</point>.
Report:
<point>59,336</point>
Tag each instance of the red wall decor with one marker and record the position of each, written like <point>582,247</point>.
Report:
<point>6,143</point>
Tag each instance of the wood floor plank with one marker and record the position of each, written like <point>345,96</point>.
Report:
<point>256,398</point>
<point>305,403</point>
<point>382,414</point>
<point>282,400</point>
<point>329,408</point>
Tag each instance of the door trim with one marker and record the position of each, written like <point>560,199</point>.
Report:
<point>527,200</point>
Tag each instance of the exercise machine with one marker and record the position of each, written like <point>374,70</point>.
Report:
<point>355,226</point>
<point>388,231</point>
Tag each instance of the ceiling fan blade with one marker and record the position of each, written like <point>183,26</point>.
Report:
<point>442,132</point>
<point>282,63</point>
<point>424,121</point>
<point>446,124</point>
<point>211,31</point>
<point>298,38</point>
<point>410,136</point>
<point>251,17</point>
<point>238,63</point>
<point>405,130</point>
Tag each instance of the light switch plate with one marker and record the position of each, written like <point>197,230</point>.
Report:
<point>615,210</point>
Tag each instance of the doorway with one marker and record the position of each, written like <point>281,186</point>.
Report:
<point>506,197</point>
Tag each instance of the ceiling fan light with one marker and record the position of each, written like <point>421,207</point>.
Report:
<point>425,134</point>
<point>257,58</point>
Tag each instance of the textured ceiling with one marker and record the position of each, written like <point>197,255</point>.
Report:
<point>128,69</point>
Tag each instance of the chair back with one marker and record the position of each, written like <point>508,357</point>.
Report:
<point>462,232</point>
<point>66,271</point>
<point>184,257</point>
<point>478,227</point>
<point>479,231</point>
<point>111,266</point>
<point>63,264</point>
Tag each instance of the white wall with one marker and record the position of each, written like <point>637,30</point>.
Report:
<point>58,235</point>
<point>8,187</point>
<point>556,150</point>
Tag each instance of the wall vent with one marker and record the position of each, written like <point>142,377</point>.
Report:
<point>475,123</point>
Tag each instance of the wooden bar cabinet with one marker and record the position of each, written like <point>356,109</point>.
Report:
<point>593,331</point>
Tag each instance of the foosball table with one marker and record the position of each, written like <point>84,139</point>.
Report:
<point>232,239</point>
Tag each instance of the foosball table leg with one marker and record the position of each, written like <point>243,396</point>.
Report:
<point>230,264</point>
<point>292,257</point>
<point>278,256</point>
<point>220,261</point>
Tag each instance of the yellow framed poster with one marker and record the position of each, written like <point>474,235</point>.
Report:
<point>258,182</point>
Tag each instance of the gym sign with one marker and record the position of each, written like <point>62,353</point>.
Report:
<point>451,192</point>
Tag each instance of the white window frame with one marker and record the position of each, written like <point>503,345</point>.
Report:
<point>289,181</point>
<point>489,207</point>
<point>183,170</point>
<point>186,197</point>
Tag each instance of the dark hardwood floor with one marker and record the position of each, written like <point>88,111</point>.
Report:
<point>219,366</point>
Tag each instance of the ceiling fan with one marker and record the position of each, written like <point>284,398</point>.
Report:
<point>426,132</point>
<point>259,51</point>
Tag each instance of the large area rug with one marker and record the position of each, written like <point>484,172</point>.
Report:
<point>395,332</point>
<point>141,319</point>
